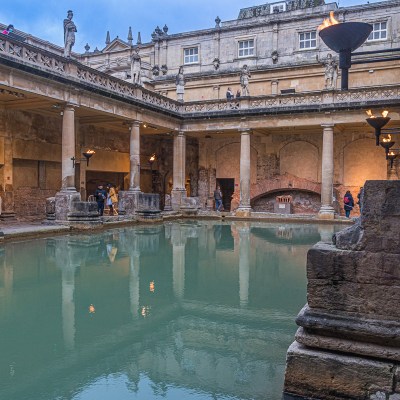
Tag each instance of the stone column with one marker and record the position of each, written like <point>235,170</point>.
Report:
<point>245,168</point>
<point>128,200</point>
<point>179,170</point>
<point>68,194</point>
<point>327,211</point>
<point>68,149</point>
<point>134,157</point>
<point>7,211</point>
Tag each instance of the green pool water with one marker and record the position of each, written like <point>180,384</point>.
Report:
<point>184,310</point>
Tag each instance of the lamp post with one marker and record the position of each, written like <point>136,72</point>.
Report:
<point>344,38</point>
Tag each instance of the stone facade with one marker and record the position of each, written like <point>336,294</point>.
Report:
<point>285,130</point>
<point>348,344</point>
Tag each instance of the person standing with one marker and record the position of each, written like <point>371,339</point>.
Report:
<point>112,199</point>
<point>101,196</point>
<point>348,203</point>
<point>218,198</point>
<point>229,94</point>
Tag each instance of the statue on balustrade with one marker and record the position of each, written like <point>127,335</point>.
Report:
<point>136,68</point>
<point>331,72</point>
<point>69,34</point>
<point>180,84</point>
<point>244,80</point>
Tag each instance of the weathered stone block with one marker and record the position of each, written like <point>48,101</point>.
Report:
<point>63,204</point>
<point>326,375</point>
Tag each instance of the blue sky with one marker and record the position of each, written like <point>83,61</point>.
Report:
<point>94,17</point>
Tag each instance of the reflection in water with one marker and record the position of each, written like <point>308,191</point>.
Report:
<point>188,310</point>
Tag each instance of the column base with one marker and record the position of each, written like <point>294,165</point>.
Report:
<point>128,201</point>
<point>63,203</point>
<point>243,212</point>
<point>176,198</point>
<point>326,212</point>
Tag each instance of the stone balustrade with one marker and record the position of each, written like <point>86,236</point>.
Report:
<point>41,59</point>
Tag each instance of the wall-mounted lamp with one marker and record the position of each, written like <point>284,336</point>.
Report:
<point>152,159</point>
<point>378,123</point>
<point>87,154</point>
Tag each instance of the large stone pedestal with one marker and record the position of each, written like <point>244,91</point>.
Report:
<point>348,343</point>
<point>63,204</point>
<point>138,204</point>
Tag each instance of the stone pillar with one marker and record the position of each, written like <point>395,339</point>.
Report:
<point>347,345</point>
<point>245,168</point>
<point>134,157</point>
<point>327,211</point>
<point>68,194</point>
<point>179,170</point>
<point>68,150</point>
<point>128,201</point>
<point>7,211</point>
<point>244,265</point>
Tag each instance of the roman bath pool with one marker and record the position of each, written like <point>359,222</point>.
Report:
<point>184,310</point>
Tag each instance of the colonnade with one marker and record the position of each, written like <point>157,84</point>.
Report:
<point>179,164</point>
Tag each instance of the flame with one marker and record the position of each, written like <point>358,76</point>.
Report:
<point>385,113</point>
<point>152,158</point>
<point>328,21</point>
<point>391,153</point>
<point>388,139</point>
<point>90,152</point>
<point>369,113</point>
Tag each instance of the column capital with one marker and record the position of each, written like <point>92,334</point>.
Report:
<point>245,131</point>
<point>130,123</point>
<point>179,133</point>
<point>70,106</point>
<point>327,126</point>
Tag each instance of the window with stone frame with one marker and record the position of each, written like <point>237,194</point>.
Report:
<point>379,31</point>
<point>191,55</point>
<point>246,48</point>
<point>277,7</point>
<point>308,40</point>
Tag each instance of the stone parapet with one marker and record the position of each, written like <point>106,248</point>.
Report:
<point>348,343</point>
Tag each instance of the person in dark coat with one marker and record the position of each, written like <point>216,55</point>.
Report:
<point>348,203</point>
<point>101,196</point>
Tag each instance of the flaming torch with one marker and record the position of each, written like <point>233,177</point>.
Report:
<point>344,38</point>
<point>378,122</point>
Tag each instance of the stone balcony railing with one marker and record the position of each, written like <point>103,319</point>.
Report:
<point>23,54</point>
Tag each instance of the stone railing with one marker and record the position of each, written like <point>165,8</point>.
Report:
<point>318,99</point>
<point>42,59</point>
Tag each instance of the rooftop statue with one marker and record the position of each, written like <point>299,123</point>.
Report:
<point>69,34</point>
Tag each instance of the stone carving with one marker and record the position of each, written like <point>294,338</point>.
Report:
<point>274,57</point>
<point>218,22</point>
<point>69,34</point>
<point>136,67</point>
<point>156,70</point>
<point>164,69</point>
<point>216,63</point>
<point>331,72</point>
<point>244,80</point>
